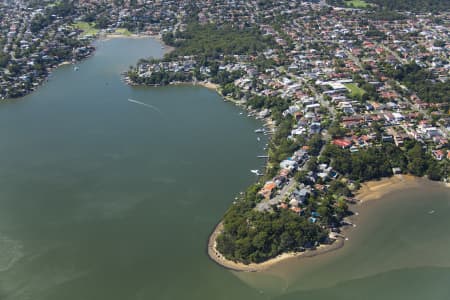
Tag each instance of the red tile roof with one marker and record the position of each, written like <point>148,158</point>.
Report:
<point>342,143</point>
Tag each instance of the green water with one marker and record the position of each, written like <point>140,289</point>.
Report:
<point>102,198</point>
<point>399,249</point>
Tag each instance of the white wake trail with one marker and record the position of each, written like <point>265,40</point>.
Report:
<point>146,105</point>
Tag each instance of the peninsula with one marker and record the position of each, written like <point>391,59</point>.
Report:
<point>351,91</point>
<point>346,104</point>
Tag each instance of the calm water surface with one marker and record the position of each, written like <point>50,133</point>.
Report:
<point>102,198</point>
<point>400,249</point>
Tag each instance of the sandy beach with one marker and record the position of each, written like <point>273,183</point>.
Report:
<point>205,84</point>
<point>64,63</point>
<point>376,189</point>
<point>209,85</point>
<point>167,48</point>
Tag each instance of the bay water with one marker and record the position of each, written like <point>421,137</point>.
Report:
<point>110,192</point>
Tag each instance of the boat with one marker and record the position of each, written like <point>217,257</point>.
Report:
<point>259,130</point>
<point>258,138</point>
<point>76,68</point>
<point>256,172</point>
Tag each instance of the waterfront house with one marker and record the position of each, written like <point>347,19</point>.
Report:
<point>268,189</point>
<point>288,164</point>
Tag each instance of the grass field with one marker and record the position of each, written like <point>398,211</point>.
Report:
<point>357,3</point>
<point>88,28</point>
<point>123,31</point>
<point>354,89</point>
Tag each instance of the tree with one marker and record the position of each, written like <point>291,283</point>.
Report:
<point>335,130</point>
<point>102,22</point>
<point>417,164</point>
<point>315,143</point>
<point>434,172</point>
<point>4,59</point>
<point>312,165</point>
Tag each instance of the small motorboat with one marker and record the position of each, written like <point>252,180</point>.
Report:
<point>256,172</point>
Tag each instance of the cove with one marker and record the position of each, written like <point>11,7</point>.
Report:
<point>103,198</point>
<point>106,198</point>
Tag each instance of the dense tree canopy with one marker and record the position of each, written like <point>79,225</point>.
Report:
<point>377,162</point>
<point>420,80</point>
<point>401,5</point>
<point>213,41</point>
<point>4,59</point>
<point>413,5</point>
<point>252,236</point>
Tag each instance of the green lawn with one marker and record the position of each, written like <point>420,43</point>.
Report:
<point>123,31</point>
<point>88,28</point>
<point>354,89</point>
<point>357,3</point>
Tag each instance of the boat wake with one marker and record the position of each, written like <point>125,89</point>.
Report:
<point>145,104</point>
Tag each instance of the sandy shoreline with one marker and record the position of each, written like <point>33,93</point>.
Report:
<point>369,191</point>
<point>376,189</point>
<point>208,85</point>
<point>205,84</point>
<point>167,48</point>
<point>64,63</point>
<point>217,257</point>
